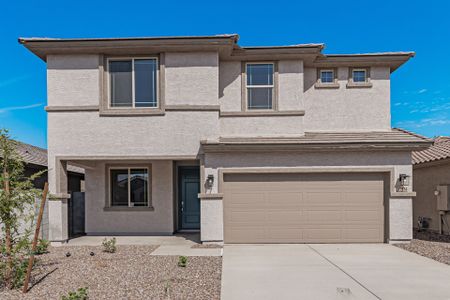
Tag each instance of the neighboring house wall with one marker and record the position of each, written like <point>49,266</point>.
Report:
<point>426,178</point>
<point>348,109</point>
<point>399,209</point>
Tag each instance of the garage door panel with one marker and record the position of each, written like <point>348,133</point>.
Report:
<point>322,235</point>
<point>361,198</point>
<point>363,216</point>
<point>322,198</point>
<point>247,216</point>
<point>293,200</point>
<point>309,208</point>
<point>282,217</point>
<point>323,216</point>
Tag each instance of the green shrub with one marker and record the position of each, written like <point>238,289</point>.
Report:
<point>109,245</point>
<point>19,270</point>
<point>182,261</point>
<point>80,294</point>
<point>42,247</point>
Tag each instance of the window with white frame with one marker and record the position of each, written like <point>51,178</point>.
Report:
<point>260,85</point>
<point>327,76</point>
<point>359,75</point>
<point>133,82</point>
<point>129,187</point>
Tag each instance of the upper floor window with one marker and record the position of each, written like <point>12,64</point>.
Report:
<point>260,85</point>
<point>359,75</point>
<point>327,76</point>
<point>133,82</point>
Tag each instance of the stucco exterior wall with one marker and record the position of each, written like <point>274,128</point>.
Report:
<point>159,221</point>
<point>290,81</point>
<point>399,209</point>
<point>192,78</point>
<point>426,179</point>
<point>87,134</point>
<point>348,109</point>
<point>230,85</point>
<point>284,126</point>
<point>73,80</point>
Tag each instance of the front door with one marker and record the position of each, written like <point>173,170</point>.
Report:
<point>188,201</point>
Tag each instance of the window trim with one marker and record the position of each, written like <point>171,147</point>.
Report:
<point>133,94</point>
<point>327,70</point>
<point>327,85</point>
<point>359,84</point>
<point>245,87</point>
<point>129,167</point>
<point>104,107</point>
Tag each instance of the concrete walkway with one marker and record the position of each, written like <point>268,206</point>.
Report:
<point>180,244</point>
<point>363,271</point>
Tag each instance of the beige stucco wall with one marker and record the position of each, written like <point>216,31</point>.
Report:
<point>192,78</point>
<point>348,109</point>
<point>283,126</point>
<point>426,180</point>
<point>87,134</point>
<point>73,80</point>
<point>399,209</point>
<point>159,221</point>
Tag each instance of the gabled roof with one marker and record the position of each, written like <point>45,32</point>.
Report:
<point>225,44</point>
<point>395,139</point>
<point>440,150</point>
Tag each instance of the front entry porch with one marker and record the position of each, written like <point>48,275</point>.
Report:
<point>132,197</point>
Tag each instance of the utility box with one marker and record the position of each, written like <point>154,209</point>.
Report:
<point>443,197</point>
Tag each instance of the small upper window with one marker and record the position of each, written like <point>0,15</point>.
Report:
<point>326,76</point>
<point>260,87</point>
<point>133,83</point>
<point>359,75</point>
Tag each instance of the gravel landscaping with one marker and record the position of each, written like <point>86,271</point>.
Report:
<point>431,245</point>
<point>130,273</point>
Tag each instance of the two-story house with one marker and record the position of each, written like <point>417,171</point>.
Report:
<point>278,144</point>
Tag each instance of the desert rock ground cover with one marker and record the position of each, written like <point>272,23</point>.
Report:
<point>431,245</point>
<point>130,273</point>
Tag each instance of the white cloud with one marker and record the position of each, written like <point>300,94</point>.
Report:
<point>13,80</point>
<point>11,108</point>
<point>422,91</point>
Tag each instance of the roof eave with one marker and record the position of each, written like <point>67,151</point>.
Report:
<point>391,59</point>
<point>211,147</point>
<point>43,46</point>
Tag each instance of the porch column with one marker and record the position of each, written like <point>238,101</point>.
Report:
<point>58,201</point>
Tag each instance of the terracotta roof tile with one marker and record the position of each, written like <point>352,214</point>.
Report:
<point>438,151</point>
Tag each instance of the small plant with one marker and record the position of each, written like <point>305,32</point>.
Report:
<point>80,294</point>
<point>109,245</point>
<point>42,247</point>
<point>167,288</point>
<point>182,261</point>
<point>19,270</point>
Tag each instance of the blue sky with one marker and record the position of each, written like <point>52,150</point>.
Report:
<point>420,90</point>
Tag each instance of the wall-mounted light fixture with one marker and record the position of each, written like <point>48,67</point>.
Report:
<point>210,181</point>
<point>403,180</point>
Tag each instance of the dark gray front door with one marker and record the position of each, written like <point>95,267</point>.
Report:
<point>76,214</point>
<point>189,203</point>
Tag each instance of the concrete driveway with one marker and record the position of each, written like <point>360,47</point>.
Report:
<point>359,271</point>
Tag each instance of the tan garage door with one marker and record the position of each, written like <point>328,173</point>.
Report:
<point>303,208</point>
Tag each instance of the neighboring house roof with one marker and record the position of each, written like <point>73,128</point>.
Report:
<point>440,150</point>
<point>38,156</point>
<point>225,44</point>
<point>393,139</point>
